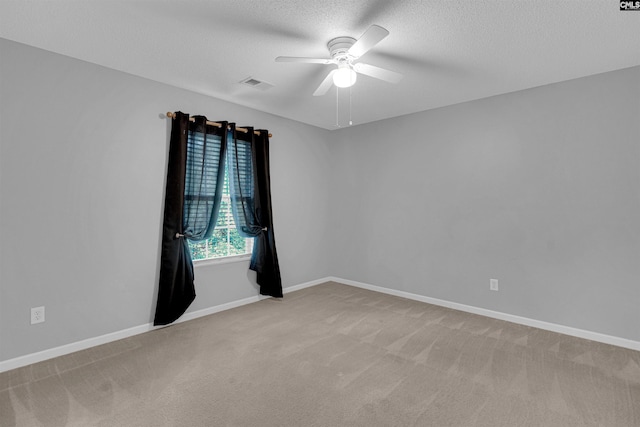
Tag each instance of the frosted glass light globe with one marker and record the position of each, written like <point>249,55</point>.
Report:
<point>344,76</point>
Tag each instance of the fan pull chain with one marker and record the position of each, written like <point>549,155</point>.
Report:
<point>337,107</point>
<point>350,122</point>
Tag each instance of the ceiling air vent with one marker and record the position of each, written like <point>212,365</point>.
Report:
<point>255,83</point>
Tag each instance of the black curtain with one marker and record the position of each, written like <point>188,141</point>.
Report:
<point>195,177</point>
<point>250,189</point>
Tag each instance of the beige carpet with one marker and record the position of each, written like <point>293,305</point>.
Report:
<point>332,355</point>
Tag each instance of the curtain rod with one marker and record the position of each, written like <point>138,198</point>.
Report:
<point>216,124</point>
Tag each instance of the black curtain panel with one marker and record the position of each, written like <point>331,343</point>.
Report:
<point>250,189</point>
<point>175,289</point>
<point>195,177</point>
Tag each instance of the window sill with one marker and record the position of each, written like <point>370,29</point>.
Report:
<point>224,260</point>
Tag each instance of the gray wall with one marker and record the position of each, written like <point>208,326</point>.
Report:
<point>539,189</point>
<point>82,169</point>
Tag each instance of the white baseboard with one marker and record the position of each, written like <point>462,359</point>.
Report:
<point>566,330</point>
<point>41,356</point>
<point>307,284</point>
<point>50,353</point>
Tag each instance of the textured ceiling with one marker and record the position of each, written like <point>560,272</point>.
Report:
<point>449,51</point>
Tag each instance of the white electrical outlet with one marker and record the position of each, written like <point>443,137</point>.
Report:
<point>493,284</point>
<point>37,315</point>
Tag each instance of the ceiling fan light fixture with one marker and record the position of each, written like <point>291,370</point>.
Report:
<point>344,76</point>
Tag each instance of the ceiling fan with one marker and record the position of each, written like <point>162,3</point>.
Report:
<point>344,52</point>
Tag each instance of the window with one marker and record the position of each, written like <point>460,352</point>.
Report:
<point>225,241</point>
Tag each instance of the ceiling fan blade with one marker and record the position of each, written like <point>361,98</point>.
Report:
<point>369,39</point>
<point>377,72</point>
<point>325,85</point>
<point>305,60</point>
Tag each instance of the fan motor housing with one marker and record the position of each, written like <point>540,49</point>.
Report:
<point>339,47</point>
